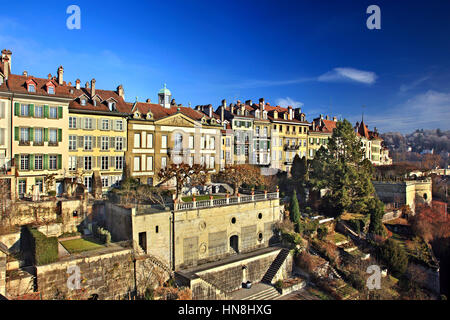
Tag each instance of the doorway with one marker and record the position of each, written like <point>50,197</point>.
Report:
<point>234,244</point>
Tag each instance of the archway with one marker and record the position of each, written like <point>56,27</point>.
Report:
<point>234,243</point>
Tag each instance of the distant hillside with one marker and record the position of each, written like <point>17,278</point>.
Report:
<point>419,141</point>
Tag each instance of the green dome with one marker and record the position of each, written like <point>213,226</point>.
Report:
<point>165,91</point>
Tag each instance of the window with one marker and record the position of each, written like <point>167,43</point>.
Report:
<point>227,142</point>
<point>38,162</point>
<point>53,113</point>
<point>88,183</point>
<point>149,163</point>
<point>105,143</point>
<point>119,143</point>
<point>52,162</point>
<point>105,124</point>
<point>53,138</point>
<point>22,187</point>
<point>24,110</point>
<point>105,182</point>
<point>83,102</point>
<point>25,162</point>
<point>88,143</point>
<point>105,163</point>
<point>87,123</point>
<point>24,135</point>
<point>191,142</point>
<point>150,181</point>
<point>163,142</point>
<point>178,145</point>
<point>137,163</point>
<point>119,125</point>
<point>38,112</point>
<point>191,161</point>
<point>72,123</point>
<point>51,90</point>
<point>72,143</point>
<point>40,184</point>
<point>265,131</point>
<point>119,163</point>
<point>163,162</point>
<point>72,163</point>
<point>257,130</point>
<point>212,142</point>
<point>149,140</point>
<point>111,106</point>
<point>88,163</point>
<point>211,162</point>
<point>137,140</point>
<point>31,88</point>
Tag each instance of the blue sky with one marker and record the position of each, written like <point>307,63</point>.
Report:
<point>315,54</point>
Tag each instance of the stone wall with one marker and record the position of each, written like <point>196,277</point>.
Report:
<point>118,221</point>
<point>2,273</point>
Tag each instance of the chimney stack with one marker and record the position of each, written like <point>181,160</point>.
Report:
<point>334,119</point>
<point>148,101</point>
<point>222,110</point>
<point>261,106</point>
<point>92,87</point>
<point>290,112</point>
<point>60,75</point>
<point>25,74</point>
<point>120,91</point>
<point>327,118</point>
<point>249,102</point>
<point>210,110</point>
<point>77,84</point>
<point>7,62</point>
<point>87,85</point>
<point>231,108</point>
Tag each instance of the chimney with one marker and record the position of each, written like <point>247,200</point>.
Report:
<point>231,108</point>
<point>334,119</point>
<point>7,62</point>
<point>148,101</point>
<point>92,87</point>
<point>210,110</point>
<point>87,85</point>
<point>222,110</point>
<point>327,118</point>
<point>275,114</point>
<point>120,91</point>
<point>69,84</point>
<point>60,75</point>
<point>314,125</point>
<point>49,76</point>
<point>249,102</point>
<point>25,74</point>
<point>261,106</point>
<point>321,117</point>
<point>238,103</point>
<point>77,84</point>
<point>290,112</point>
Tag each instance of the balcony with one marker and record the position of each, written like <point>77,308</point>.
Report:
<point>24,143</point>
<point>53,143</point>
<point>291,147</point>
<point>38,143</point>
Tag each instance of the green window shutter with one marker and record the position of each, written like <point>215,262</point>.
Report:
<point>16,133</point>
<point>45,111</point>
<point>59,161</point>
<point>16,108</point>
<point>31,134</point>
<point>45,161</point>
<point>60,112</point>
<point>31,110</point>
<point>31,161</point>
<point>45,134</point>
<point>59,135</point>
<point>268,144</point>
<point>16,161</point>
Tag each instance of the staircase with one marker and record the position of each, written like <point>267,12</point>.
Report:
<point>275,266</point>
<point>268,294</point>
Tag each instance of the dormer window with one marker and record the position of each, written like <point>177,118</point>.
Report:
<point>51,90</point>
<point>111,106</point>
<point>83,101</point>
<point>31,88</point>
<point>95,103</point>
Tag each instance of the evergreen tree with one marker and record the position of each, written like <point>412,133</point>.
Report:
<point>294,208</point>
<point>395,257</point>
<point>376,211</point>
<point>340,168</point>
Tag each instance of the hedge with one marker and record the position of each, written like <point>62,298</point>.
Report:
<point>43,249</point>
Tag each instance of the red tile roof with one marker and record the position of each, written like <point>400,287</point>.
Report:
<point>17,84</point>
<point>160,112</point>
<point>103,95</point>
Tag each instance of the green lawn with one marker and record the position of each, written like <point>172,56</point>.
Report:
<point>339,237</point>
<point>80,245</point>
<point>201,198</point>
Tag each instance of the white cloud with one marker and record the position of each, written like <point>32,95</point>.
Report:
<point>428,110</point>
<point>407,87</point>
<point>285,102</point>
<point>348,74</point>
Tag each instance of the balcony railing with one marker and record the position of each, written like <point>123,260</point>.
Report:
<point>226,201</point>
<point>291,147</point>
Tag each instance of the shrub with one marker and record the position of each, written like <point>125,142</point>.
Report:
<point>322,232</point>
<point>395,256</point>
<point>104,235</point>
<point>43,249</point>
<point>279,285</point>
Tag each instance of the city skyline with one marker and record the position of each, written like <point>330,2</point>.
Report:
<point>335,67</point>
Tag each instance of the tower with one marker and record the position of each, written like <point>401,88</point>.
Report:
<point>164,97</point>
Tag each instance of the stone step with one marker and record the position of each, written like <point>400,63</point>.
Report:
<point>267,294</point>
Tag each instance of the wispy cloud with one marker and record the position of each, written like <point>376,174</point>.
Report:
<point>427,110</point>
<point>407,87</point>
<point>348,74</point>
<point>285,102</point>
<point>247,84</point>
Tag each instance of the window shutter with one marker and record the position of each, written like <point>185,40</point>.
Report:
<point>124,147</point>
<point>16,108</point>
<point>99,123</point>
<point>93,124</point>
<point>78,123</point>
<point>45,134</point>
<point>60,135</point>
<point>31,134</point>
<point>111,161</point>
<point>82,123</point>
<point>16,133</point>
<point>45,111</point>
<point>31,161</point>
<point>79,162</point>
<point>111,124</point>
<point>99,162</point>
<point>112,141</point>
<point>16,161</point>
<point>80,141</point>
<point>60,112</point>
<point>31,110</point>
<point>59,161</point>
<point>45,161</point>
